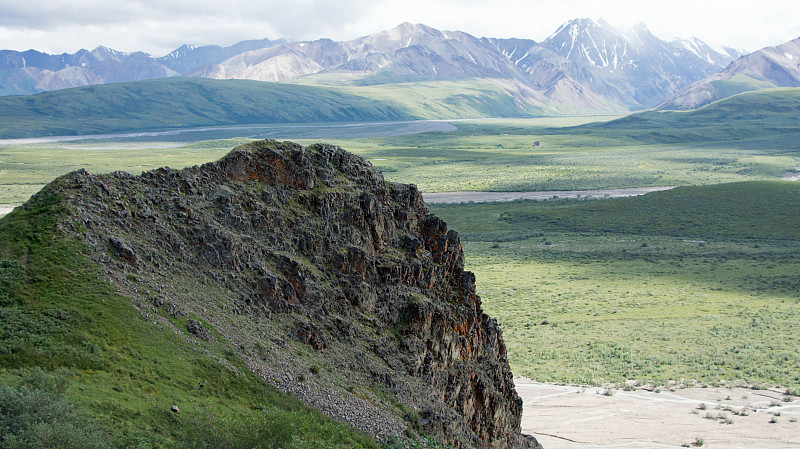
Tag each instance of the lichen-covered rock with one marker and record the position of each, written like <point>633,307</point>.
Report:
<point>331,284</point>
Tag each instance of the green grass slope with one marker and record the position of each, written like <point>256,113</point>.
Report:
<point>458,98</point>
<point>713,89</point>
<point>745,116</point>
<point>451,99</point>
<point>746,210</point>
<point>182,102</point>
<point>738,84</point>
<point>81,367</point>
<point>695,284</point>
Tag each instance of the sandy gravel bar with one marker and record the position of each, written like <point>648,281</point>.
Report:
<point>6,208</point>
<point>576,417</point>
<point>478,197</point>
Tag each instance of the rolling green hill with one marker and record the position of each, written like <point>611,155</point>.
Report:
<point>170,103</point>
<point>453,99</point>
<point>461,98</point>
<point>738,84</point>
<point>180,103</point>
<point>744,210</point>
<point>740,117</point>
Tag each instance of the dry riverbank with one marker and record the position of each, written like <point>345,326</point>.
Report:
<point>478,197</point>
<point>575,417</point>
<point>6,208</point>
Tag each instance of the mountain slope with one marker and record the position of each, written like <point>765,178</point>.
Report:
<point>299,265</point>
<point>187,58</point>
<point>546,73</point>
<point>770,67</point>
<point>408,52</point>
<point>180,103</point>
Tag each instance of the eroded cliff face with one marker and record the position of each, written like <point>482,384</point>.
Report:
<point>330,283</point>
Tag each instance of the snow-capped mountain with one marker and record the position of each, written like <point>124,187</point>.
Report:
<point>716,56</point>
<point>633,67</point>
<point>770,67</point>
<point>408,52</point>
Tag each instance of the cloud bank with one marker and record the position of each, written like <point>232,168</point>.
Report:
<point>158,27</point>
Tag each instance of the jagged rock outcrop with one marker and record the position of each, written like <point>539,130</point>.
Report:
<point>329,282</point>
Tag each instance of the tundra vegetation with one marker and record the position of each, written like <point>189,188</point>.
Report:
<point>691,285</point>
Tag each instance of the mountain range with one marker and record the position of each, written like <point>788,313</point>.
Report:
<point>585,65</point>
<point>27,72</point>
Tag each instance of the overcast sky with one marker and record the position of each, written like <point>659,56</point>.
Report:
<point>160,26</point>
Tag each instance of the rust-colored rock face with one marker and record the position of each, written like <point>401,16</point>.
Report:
<point>330,283</point>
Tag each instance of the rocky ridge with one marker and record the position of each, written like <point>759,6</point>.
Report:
<point>329,282</point>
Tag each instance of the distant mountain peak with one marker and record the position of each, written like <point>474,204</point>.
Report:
<point>407,31</point>
<point>573,27</point>
<point>640,27</point>
<point>102,50</point>
<point>584,40</point>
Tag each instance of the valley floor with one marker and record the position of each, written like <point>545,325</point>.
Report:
<point>563,417</point>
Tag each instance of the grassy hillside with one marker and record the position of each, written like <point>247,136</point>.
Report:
<point>454,99</point>
<point>696,284</point>
<point>182,102</point>
<point>436,100</point>
<point>707,91</point>
<point>750,210</point>
<point>745,116</point>
<point>190,102</point>
<point>738,84</point>
<point>80,367</point>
